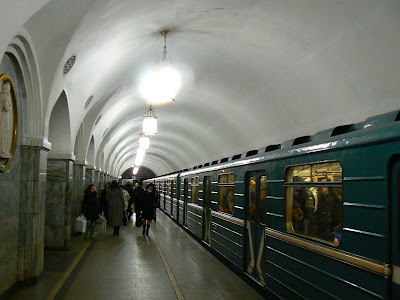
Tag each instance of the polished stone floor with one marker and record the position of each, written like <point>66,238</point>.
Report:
<point>167,264</point>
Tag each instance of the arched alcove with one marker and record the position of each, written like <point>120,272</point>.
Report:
<point>59,185</point>
<point>79,147</point>
<point>32,126</point>
<point>60,127</point>
<point>90,152</point>
<point>102,161</point>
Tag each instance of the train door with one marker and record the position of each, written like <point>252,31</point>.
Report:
<point>255,224</point>
<point>185,201</point>
<point>207,210</point>
<point>395,199</point>
<point>172,197</point>
<point>165,193</point>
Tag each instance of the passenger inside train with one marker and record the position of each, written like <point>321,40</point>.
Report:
<point>316,210</point>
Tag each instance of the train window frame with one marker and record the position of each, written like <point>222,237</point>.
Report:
<point>263,204</point>
<point>310,187</point>
<point>185,190</point>
<point>224,188</point>
<point>173,189</point>
<point>194,191</point>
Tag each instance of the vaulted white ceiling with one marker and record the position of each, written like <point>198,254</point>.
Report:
<point>255,72</point>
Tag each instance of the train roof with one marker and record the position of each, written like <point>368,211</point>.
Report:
<point>372,130</point>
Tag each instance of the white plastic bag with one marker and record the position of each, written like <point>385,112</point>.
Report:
<point>101,226</point>
<point>101,223</point>
<point>80,224</point>
<point>101,218</point>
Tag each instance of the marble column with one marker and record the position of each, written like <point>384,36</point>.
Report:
<point>59,201</point>
<point>32,210</point>
<point>78,188</point>
<point>89,175</point>
<point>102,178</point>
<point>96,178</point>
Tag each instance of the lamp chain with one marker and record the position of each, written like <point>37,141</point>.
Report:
<point>164,33</point>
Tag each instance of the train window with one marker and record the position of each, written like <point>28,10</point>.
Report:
<point>185,190</point>
<point>195,190</point>
<point>263,200</point>
<point>169,188</point>
<point>226,193</point>
<point>314,205</point>
<point>252,198</point>
<point>172,188</point>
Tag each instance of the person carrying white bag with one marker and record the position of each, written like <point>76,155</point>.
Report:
<point>90,209</point>
<point>80,224</point>
<point>101,223</point>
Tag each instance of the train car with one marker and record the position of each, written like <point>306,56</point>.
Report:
<point>169,194</point>
<point>316,217</point>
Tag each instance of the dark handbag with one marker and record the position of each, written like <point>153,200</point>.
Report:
<point>139,221</point>
<point>156,203</point>
<point>125,219</point>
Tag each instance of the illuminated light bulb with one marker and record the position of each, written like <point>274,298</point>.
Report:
<point>140,152</point>
<point>135,170</point>
<point>161,85</point>
<point>150,125</point>
<point>138,160</point>
<point>144,142</point>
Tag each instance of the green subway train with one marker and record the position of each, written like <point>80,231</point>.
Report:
<point>316,217</point>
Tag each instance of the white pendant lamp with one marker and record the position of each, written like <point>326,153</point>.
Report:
<point>144,142</point>
<point>149,122</point>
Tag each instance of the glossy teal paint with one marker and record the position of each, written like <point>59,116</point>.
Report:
<point>371,227</point>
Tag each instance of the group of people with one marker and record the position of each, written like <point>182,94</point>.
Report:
<point>117,202</point>
<point>318,212</point>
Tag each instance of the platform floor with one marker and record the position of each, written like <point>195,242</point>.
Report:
<point>167,264</point>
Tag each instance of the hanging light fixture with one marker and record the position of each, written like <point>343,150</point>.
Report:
<point>138,160</point>
<point>149,122</point>
<point>140,152</point>
<point>144,142</point>
<point>164,82</point>
<point>135,170</point>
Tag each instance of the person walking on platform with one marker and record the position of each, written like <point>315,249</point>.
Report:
<point>129,188</point>
<point>90,209</point>
<point>103,199</point>
<point>138,196</point>
<point>150,201</point>
<point>116,206</point>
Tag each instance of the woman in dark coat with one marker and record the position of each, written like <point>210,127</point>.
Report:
<point>116,206</point>
<point>103,199</point>
<point>90,209</point>
<point>150,201</point>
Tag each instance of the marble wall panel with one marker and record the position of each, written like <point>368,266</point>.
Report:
<point>89,176</point>
<point>9,221</point>
<point>79,187</point>
<point>69,198</point>
<point>32,211</point>
<point>26,264</point>
<point>54,237</point>
<point>56,192</point>
<point>59,205</point>
<point>9,198</point>
<point>8,252</point>
<point>96,178</point>
<point>22,200</point>
<point>55,214</point>
<point>57,170</point>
